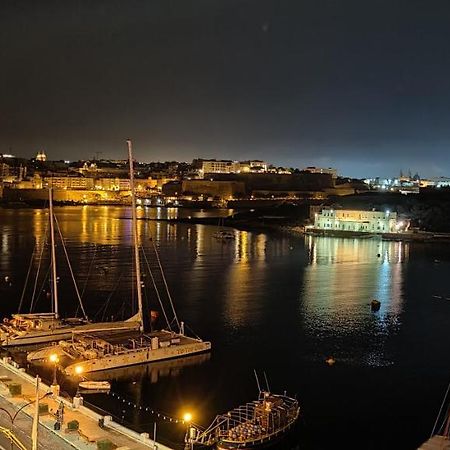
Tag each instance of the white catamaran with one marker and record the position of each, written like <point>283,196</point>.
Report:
<point>87,353</point>
<point>44,328</point>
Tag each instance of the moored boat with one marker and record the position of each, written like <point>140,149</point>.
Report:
<point>95,385</point>
<point>87,353</point>
<point>225,235</point>
<point>258,424</point>
<point>32,328</point>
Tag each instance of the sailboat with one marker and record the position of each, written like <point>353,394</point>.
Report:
<point>44,328</point>
<point>223,234</point>
<point>86,353</point>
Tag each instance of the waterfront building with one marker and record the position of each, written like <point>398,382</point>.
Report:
<point>69,182</point>
<point>357,221</point>
<point>438,182</point>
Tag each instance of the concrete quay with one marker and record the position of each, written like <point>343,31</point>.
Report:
<point>85,438</point>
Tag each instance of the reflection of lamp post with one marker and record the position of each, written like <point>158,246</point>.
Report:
<point>55,360</point>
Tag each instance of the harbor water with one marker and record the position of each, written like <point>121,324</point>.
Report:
<point>269,302</point>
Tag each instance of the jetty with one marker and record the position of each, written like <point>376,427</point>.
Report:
<point>79,427</point>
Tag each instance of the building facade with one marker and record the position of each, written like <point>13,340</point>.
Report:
<point>356,221</point>
<point>205,166</point>
<point>329,170</point>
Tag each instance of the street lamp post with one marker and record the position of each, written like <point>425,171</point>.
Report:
<point>187,418</point>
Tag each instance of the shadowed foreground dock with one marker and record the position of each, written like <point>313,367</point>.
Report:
<point>89,432</point>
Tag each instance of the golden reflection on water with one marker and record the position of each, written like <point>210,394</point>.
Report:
<point>341,279</point>
<point>249,266</point>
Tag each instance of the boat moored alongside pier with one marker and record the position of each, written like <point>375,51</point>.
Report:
<point>254,425</point>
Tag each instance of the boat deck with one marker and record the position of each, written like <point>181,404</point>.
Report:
<point>134,339</point>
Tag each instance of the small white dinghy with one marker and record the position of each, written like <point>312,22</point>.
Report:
<point>95,385</point>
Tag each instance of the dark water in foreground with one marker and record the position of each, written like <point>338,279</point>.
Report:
<point>268,302</point>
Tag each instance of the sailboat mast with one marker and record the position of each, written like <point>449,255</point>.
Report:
<point>135,238</point>
<point>52,235</point>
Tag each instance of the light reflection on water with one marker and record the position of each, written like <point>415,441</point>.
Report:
<point>268,301</point>
<point>342,277</point>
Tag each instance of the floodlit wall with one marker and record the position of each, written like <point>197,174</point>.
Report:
<point>356,220</point>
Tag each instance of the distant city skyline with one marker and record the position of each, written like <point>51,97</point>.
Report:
<point>100,156</point>
<point>359,86</point>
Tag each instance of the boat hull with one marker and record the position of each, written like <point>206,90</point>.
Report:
<point>37,338</point>
<point>55,335</point>
<point>140,356</point>
<point>95,385</point>
<point>268,441</point>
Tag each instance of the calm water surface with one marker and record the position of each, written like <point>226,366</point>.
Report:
<point>269,302</point>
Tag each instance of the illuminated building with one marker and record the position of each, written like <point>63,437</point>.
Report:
<point>41,156</point>
<point>70,182</point>
<point>204,166</point>
<point>357,221</point>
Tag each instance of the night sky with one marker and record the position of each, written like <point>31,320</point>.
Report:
<point>363,85</point>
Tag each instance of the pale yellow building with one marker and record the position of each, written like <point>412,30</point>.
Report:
<point>356,221</point>
<point>69,182</point>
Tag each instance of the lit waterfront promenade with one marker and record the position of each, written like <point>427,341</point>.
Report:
<point>89,430</point>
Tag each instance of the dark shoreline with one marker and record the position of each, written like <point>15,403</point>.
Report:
<point>263,225</point>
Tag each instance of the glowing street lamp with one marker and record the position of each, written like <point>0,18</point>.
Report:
<point>55,360</point>
<point>187,417</point>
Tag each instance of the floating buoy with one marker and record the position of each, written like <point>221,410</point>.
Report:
<point>375,305</point>
<point>330,361</point>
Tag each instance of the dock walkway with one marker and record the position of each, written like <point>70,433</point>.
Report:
<point>89,432</point>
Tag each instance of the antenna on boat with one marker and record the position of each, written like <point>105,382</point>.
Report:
<point>257,381</point>
<point>135,237</point>
<point>52,235</point>
<point>267,383</point>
